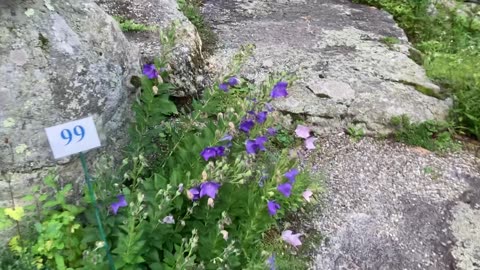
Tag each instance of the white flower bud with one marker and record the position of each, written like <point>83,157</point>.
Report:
<point>225,234</point>
<point>210,202</point>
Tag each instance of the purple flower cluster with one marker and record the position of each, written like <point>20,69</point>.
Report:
<point>247,124</point>
<point>209,188</point>
<point>252,146</point>
<point>225,86</point>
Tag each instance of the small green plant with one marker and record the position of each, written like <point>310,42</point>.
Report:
<point>356,132</point>
<point>390,41</point>
<point>191,10</point>
<point>284,139</point>
<point>128,25</point>
<point>431,135</point>
<point>51,235</point>
<point>432,172</point>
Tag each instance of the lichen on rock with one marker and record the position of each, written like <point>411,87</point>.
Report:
<point>346,73</point>
<point>59,61</point>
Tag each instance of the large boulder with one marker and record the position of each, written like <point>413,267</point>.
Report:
<point>186,60</point>
<point>350,71</point>
<point>59,61</point>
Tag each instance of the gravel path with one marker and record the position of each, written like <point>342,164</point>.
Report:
<point>391,206</point>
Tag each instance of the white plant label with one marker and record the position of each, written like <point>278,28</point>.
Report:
<point>73,137</point>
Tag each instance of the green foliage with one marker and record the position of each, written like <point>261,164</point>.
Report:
<point>131,26</point>
<point>10,261</point>
<point>431,135</point>
<point>53,229</point>
<point>450,43</point>
<point>191,10</point>
<point>390,41</point>
<point>356,132</point>
<point>284,139</point>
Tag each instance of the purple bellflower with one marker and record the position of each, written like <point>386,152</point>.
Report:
<point>290,175</point>
<point>273,207</point>
<point>246,125</point>
<point>209,189</point>
<point>194,193</point>
<point>212,152</point>
<point>118,204</point>
<point>233,81</point>
<point>291,238</point>
<point>254,146</point>
<point>285,189</point>
<point>261,117</point>
<point>302,131</point>
<point>223,87</point>
<point>150,71</point>
<point>271,262</point>
<point>227,137</point>
<point>309,143</point>
<point>279,90</point>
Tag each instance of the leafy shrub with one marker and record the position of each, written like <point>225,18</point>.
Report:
<point>431,135</point>
<point>197,191</point>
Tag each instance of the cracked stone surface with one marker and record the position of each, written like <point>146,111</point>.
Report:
<point>346,73</point>
<point>391,206</point>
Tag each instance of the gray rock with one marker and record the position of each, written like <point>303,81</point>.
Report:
<point>327,40</point>
<point>391,206</point>
<point>339,92</point>
<point>58,62</point>
<point>186,60</point>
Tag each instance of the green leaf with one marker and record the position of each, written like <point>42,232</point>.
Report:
<point>5,222</point>
<point>169,258</point>
<point>160,181</point>
<point>50,181</point>
<point>156,266</point>
<point>16,213</point>
<point>164,88</point>
<point>60,262</point>
<point>43,197</point>
<point>165,107</point>
<point>29,198</point>
<point>50,204</point>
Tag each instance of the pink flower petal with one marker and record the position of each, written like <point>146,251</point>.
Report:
<point>292,239</point>
<point>302,131</point>
<point>307,194</point>
<point>309,143</point>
